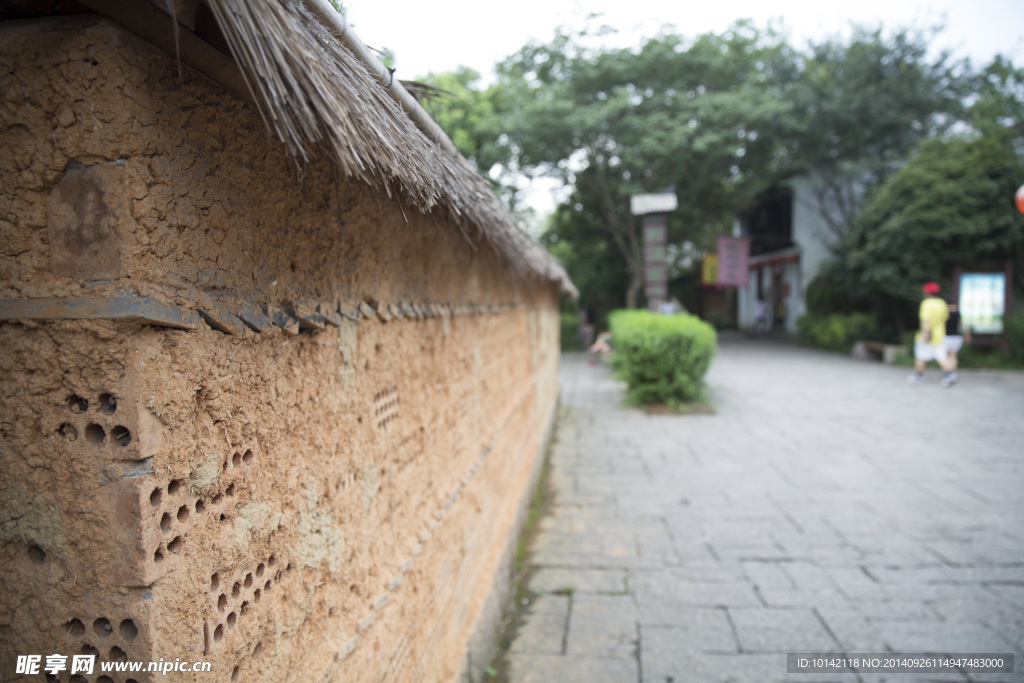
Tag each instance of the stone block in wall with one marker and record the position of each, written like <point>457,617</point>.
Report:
<point>87,212</point>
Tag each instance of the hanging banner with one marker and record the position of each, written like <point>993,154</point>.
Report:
<point>733,261</point>
<point>709,270</point>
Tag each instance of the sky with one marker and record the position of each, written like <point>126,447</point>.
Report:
<point>444,34</point>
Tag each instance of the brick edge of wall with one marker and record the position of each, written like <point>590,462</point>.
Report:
<point>483,641</point>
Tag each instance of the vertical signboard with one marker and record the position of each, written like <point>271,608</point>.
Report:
<point>733,261</point>
<point>655,264</point>
<point>983,302</point>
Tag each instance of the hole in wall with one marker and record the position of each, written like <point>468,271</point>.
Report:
<point>174,486</point>
<point>236,460</point>
<point>118,655</point>
<point>36,554</point>
<point>258,649</point>
<point>158,557</point>
<point>156,497</point>
<point>272,560</point>
<point>257,595</point>
<point>200,507</point>
<point>248,580</point>
<point>236,590</point>
<point>217,498</point>
<point>218,632</point>
<point>74,628</point>
<point>266,586</point>
<point>95,434</point>
<point>222,602</point>
<point>230,490</point>
<point>108,404</point>
<point>77,404</point>
<point>121,435</point>
<point>234,674</point>
<point>165,522</point>
<point>247,458</point>
<point>128,630</point>
<point>215,581</point>
<point>175,545</point>
<point>77,678</point>
<point>68,431</point>
<point>104,679</point>
<point>232,620</point>
<point>89,650</point>
<point>259,570</point>
<point>244,608</point>
<point>182,513</point>
<point>102,627</point>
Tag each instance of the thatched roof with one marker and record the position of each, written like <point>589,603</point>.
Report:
<point>319,97</point>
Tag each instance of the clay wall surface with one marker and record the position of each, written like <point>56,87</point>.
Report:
<point>330,504</point>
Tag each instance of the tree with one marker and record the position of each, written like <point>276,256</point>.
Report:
<point>998,102</point>
<point>702,116</point>
<point>863,105</point>
<point>952,202</point>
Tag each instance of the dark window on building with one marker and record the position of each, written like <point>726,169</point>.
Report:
<point>770,223</point>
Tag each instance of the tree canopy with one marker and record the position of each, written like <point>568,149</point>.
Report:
<point>720,118</point>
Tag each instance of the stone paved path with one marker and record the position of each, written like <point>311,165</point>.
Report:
<point>828,506</point>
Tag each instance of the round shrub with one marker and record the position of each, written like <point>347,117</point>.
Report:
<point>662,358</point>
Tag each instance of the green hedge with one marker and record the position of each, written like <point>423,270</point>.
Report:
<point>662,358</point>
<point>570,324</point>
<point>1015,335</point>
<point>836,332</point>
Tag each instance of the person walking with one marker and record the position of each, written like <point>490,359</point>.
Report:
<point>586,327</point>
<point>929,343</point>
<point>956,335</point>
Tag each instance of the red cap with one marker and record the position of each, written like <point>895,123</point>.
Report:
<point>931,288</point>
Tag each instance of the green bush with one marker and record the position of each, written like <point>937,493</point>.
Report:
<point>662,358</point>
<point>570,331</point>
<point>1014,331</point>
<point>836,332</point>
<point>827,293</point>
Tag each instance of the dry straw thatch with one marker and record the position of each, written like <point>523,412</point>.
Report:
<point>318,97</point>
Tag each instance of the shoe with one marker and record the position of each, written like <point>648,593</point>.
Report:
<point>915,379</point>
<point>949,379</point>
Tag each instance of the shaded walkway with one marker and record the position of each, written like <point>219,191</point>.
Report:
<point>828,506</point>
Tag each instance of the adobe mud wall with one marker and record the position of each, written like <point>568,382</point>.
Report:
<point>314,481</point>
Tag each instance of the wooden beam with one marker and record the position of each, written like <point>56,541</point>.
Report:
<point>157,27</point>
<point>132,309</point>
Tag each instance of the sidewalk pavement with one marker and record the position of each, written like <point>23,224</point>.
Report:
<point>828,506</point>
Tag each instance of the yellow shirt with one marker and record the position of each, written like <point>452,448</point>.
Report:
<point>935,311</point>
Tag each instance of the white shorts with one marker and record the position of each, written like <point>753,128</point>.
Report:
<point>954,342</point>
<point>926,352</point>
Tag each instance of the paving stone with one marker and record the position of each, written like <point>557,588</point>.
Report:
<point>657,589</point>
<point>895,610</point>
<point>544,628</point>
<point>602,626</point>
<point>826,506</point>
<point>555,669</point>
<point>936,636</point>
<point>853,630</point>
<point>680,666</point>
<point>780,630</point>
<point>690,629</point>
<point>550,579</point>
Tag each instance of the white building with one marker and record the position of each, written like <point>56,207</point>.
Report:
<point>790,242</point>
